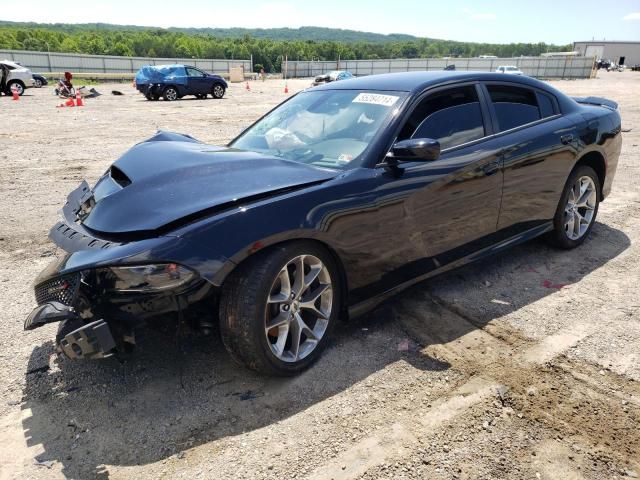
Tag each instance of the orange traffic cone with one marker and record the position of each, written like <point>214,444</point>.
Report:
<point>69,103</point>
<point>14,93</point>
<point>286,88</point>
<point>248,87</point>
<point>79,102</point>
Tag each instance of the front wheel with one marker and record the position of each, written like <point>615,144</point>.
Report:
<point>15,85</point>
<point>577,209</point>
<point>217,91</point>
<point>37,83</point>
<point>277,310</point>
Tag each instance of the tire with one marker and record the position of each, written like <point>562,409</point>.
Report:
<point>17,84</point>
<point>568,234</point>
<point>37,83</point>
<point>245,309</point>
<point>170,94</point>
<point>201,96</point>
<point>217,91</point>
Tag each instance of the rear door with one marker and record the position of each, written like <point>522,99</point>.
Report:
<point>539,151</point>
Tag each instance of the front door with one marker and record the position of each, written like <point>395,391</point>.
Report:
<point>458,200</point>
<point>431,213</point>
<point>197,81</point>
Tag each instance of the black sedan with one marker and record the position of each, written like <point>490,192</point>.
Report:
<point>336,199</point>
<point>39,81</point>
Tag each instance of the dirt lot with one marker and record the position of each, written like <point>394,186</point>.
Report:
<point>524,366</point>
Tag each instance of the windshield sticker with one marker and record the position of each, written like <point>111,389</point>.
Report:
<point>345,157</point>
<point>376,99</point>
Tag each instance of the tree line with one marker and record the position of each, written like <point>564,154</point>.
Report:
<point>267,52</point>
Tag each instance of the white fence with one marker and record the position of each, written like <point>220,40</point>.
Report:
<point>541,67</point>
<point>43,62</point>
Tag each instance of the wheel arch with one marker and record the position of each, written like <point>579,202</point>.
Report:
<point>171,85</point>
<point>16,80</point>
<point>262,246</point>
<point>595,160</point>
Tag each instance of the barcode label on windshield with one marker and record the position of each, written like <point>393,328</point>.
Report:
<point>376,99</point>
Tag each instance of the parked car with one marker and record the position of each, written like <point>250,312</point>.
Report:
<point>509,69</point>
<point>20,78</point>
<point>39,80</point>
<point>172,82</point>
<point>603,63</point>
<point>334,76</point>
<point>338,198</point>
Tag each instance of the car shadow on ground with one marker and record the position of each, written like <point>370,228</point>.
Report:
<point>170,397</point>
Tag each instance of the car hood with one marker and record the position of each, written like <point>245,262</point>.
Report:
<point>174,178</point>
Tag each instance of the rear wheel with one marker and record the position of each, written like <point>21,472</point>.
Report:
<point>278,309</point>
<point>577,209</point>
<point>37,83</point>
<point>170,94</point>
<point>217,91</point>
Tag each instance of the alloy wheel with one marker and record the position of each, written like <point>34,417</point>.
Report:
<point>580,208</point>
<point>18,88</point>
<point>171,94</point>
<point>218,91</point>
<point>298,308</point>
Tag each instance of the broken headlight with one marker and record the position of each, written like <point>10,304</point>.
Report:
<point>150,278</point>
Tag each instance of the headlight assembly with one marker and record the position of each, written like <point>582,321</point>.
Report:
<point>150,278</point>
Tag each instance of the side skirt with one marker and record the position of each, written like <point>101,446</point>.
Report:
<point>366,305</point>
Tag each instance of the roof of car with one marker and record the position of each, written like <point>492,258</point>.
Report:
<point>418,81</point>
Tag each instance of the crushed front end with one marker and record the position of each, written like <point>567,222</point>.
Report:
<point>101,292</point>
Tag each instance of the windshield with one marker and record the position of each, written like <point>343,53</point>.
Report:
<point>329,128</point>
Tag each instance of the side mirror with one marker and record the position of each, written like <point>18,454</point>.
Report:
<point>414,150</point>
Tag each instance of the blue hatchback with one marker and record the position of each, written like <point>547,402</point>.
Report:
<point>172,82</point>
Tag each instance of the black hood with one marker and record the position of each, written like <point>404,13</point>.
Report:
<point>171,177</point>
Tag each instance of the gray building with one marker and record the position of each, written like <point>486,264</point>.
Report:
<point>626,53</point>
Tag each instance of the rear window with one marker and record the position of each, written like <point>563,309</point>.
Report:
<point>514,106</point>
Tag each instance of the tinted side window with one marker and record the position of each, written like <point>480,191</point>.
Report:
<point>192,72</point>
<point>547,108</point>
<point>452,117</point>
<point>514,106</point>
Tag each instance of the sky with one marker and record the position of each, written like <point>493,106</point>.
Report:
<point>493,21</point>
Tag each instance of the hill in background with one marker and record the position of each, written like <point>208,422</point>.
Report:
<point>267,46</point>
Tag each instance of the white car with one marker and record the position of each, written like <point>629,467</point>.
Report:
<point>19,78</point>
<point>509,69</point>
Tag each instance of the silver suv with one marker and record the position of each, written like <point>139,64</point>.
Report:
<point>19,77</point>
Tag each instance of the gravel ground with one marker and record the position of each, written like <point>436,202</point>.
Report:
<point>522,366</point>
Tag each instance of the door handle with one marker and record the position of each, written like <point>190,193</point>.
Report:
<point>491,168</point>
<point>566,139</point>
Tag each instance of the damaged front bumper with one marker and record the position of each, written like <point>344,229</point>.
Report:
<point>92,340</point>
<point>94,289</point>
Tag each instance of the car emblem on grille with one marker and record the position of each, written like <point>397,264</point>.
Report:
<point>58,288</point>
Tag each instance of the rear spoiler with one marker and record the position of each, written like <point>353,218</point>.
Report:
<point>599,101</point>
